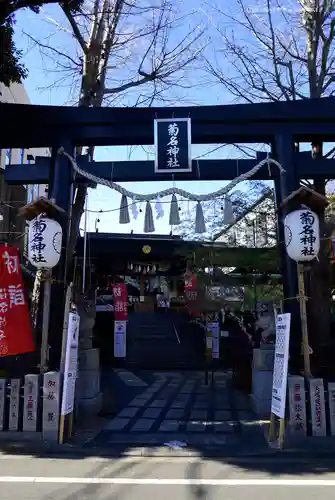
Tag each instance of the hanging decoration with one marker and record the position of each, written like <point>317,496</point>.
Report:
<point>134,209</point>
<point>159,209</point>
<point>145,269</point>
<point>174,219</point>
<point>124,211</point>
<point>228,217</point>
<point>174,191</point>
<point>149,226</point>
<point>200,226</point>
<point>44,242</point>
<point>302,235</point>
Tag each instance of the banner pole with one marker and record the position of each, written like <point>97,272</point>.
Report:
<point>45,323</point>
<point>85,245</point>
<point>70,428</point>
<point>272,428</point>
<point>303,316</point>
<point>65,326</point>
<point>61,429</point>
<point>281,438</point>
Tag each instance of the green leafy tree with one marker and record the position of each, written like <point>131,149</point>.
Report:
<point>11,69</point>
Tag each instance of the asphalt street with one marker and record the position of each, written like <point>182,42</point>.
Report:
<point>140,478</point>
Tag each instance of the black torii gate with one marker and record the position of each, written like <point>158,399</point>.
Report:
<point>280,125</point>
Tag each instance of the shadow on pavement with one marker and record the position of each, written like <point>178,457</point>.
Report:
<point>240,444</point>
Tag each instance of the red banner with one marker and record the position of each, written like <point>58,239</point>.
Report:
<point>191,283</point>
<point>15,328</point>
<point>332,249</point>
<point>191,294</point>
<point>120,294</point>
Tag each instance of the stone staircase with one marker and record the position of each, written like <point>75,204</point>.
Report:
<point>163,341</point>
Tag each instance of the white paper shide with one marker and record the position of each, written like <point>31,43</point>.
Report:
<point>71,364</point>
<point>44,242</point>
<point>280,368</point>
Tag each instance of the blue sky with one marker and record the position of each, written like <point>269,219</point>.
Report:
<point>47,27</point>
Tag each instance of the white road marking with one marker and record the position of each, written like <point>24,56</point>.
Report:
<point>167,482</point>
<point>175,331</point>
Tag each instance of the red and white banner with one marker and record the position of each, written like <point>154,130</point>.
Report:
<point>120,294</point>
<point>191,294</point>
<point>15,328</point>
<point>191,282</point>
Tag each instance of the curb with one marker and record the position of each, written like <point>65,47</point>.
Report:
<point>44,450</point>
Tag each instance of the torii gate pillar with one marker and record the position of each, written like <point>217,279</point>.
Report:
<point>283,149</point>
<point>61,191</point>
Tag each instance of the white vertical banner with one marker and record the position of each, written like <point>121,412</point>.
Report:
<point>120,339</point>
<point>71,362</point>
<point>280,369</point>
<point>214,328</point>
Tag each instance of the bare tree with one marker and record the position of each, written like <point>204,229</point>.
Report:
<point>280,50</point>
<point>117,52</point>
<point>120,52</point>
<point>277,50</point>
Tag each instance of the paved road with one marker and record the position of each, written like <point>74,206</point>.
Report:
<point>181,479</point>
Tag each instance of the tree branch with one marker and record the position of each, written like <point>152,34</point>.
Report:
<point>76,32</point>
<point>53,49</point>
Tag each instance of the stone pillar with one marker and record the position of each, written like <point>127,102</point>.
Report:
<point>14,404</point>
<point>262,375</point>
<point>318,409</point>
<point>297,426</point>
<point>31,402</point>
<point>51,406</point>
<point>88,394</point>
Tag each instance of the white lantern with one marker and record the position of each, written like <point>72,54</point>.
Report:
<point>44,242</point>
<point>302,235</point>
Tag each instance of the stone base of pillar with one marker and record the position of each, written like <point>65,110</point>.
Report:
<point>262,375</point>
<point>89,407</point>
<point>89,398</point>
<point>88,394</point>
